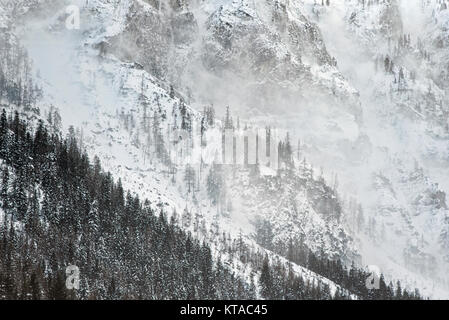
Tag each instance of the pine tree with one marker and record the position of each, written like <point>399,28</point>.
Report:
<point>35,287</point>
<point>189,177</point>
<point>4,189</point>
<point>214,184</point>
<point>266,280</point>
<point>228,120</point>
<point>57,289</point>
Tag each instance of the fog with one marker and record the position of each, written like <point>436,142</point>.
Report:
<point>261,61</point>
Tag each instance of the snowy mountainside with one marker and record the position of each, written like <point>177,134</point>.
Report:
<point>202,48</point>
<point>273,59</point>
<point>109,103</point>
<point>287,59</point>
<point>153,31</point>
<point>403,189</point>
<point>297,207</point>
<point>340,247</point>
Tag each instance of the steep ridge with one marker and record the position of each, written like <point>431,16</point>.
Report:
<point>403,189</point>
<point>106,104</point>
<point>117,106</point>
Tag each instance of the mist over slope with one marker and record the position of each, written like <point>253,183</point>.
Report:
<point>127,118</point>
<point>385,49</point>
<point>361,84</point>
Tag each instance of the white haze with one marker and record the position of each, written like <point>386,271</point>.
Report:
<point>333,137</point>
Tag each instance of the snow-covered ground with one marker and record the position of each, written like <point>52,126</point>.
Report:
<point>91,91</point>
<point>398,172</point>
<point>387,161</point>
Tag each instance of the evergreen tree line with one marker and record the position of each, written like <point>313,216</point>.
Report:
<point>277,278</point>
<point>280,283</point>
<point>60,210</point>
<point>352,280</point>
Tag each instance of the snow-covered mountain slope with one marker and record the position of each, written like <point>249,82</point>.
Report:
<point>402,183</point>
<point>117,108</point>
<point>195,40</point>
<point>265,59</point>
<point>296,207</point>
<point>228,52</point>
<point>272,61</point>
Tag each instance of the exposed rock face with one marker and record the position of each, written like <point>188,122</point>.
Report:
<point>275,58</point>
<point>270,57</point>
<point>237,51</point>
